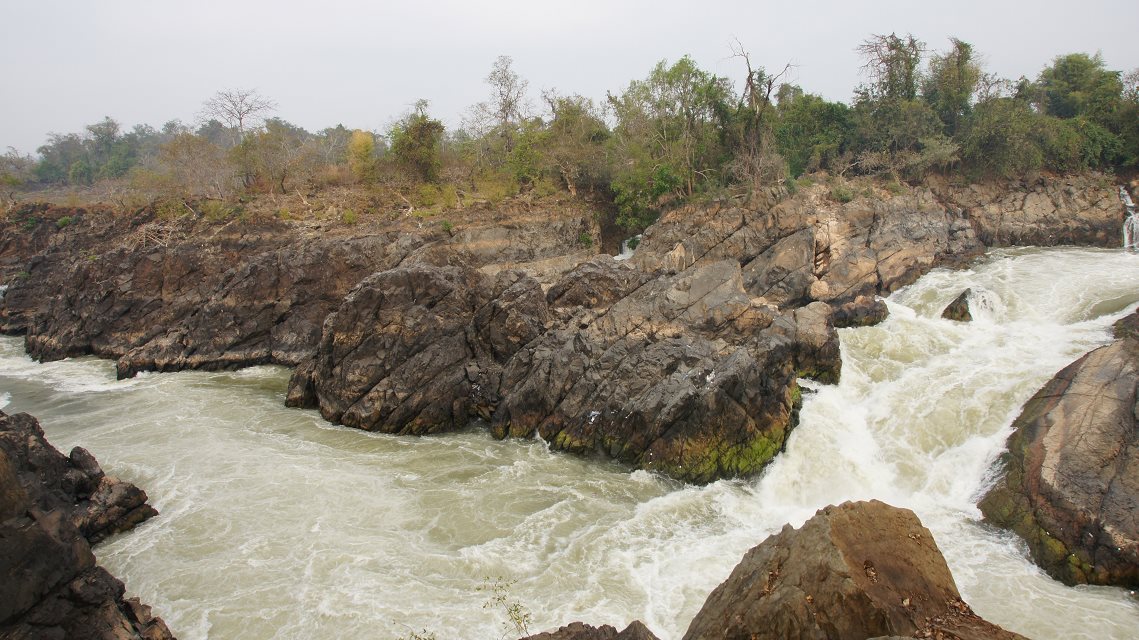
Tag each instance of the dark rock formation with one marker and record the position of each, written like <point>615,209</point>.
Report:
<point>858,570</point>
<point>171,294</point>
<point>863,311</point>
<point>52,508</point>
<point>686,374</point>
<point>1070,484</point>
<point>959,309</point>
<point>579,631</point>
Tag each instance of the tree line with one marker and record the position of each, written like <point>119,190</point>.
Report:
<point>679,133</point>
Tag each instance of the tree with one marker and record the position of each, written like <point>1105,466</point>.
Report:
<point>507,104</point>
<point>670,136</point>
<point>812,133</point>
<point>574,140</point>
<point>361,155</point>
<point>415,143</point>
<point>196,166</point>
<point>753,136</point>
<point>237,108</point>
<point>892,65</point>
<point>15,171</point>
<point>1078,85</point>
<point>275,154</point>
<point>952,81</point>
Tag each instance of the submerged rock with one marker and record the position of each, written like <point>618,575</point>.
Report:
<point>959,309</point>
<point>1070,476</point>
<point>858,570</point>
<point>52,508</point>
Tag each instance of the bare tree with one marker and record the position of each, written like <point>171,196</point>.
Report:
<point>507,106</point>
<point>236,107</point>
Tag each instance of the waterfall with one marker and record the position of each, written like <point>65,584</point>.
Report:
<point>1130,224</point>
<point>628,245</point>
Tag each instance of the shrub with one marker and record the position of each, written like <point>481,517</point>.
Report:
<point>447,226</point>
<point>585,239</point>
<point>841,193</point>
<point>349,217</point>
<point>63,222</point>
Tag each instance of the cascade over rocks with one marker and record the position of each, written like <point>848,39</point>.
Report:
<point>52,508</point>
<point>1070,483</point>
<point>853,571</point>
<point>858,570</point>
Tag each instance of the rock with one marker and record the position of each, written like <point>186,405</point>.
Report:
<point>52,508</point>
<point>1070,476</point>
<point>863,311</point>
<point>858,570</point>
<point>959,309</point>
<point>580,631</point>
<point>686,374</point>
<point>597,283</point>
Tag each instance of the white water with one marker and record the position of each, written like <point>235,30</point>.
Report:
<point>627,251</point>
<point>277,525</point>
<point>1131,223</point>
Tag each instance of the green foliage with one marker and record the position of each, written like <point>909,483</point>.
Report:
<point>841,193</point>
<point>1078,85</point>
<point>63,222</point>
<point>812,133</point>
<point>447,226</point>
<point>349,217</point>
<point>952,81</point>
<point>416,141</point>
<point>585,240</point>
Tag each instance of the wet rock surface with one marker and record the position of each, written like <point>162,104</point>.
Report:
<point>857,570</point>
<point>580,631</point>
<point>52,508</point>
<point>1070,478</point>
<point>959,309</point>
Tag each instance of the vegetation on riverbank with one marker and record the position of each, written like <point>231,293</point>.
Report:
<point>679,134</point>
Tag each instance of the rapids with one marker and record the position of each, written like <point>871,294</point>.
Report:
<point>275,524</point>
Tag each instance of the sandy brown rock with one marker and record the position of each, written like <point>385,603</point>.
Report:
<point>1070,477</point>
<point>858,570</point>
<point>52,508</point>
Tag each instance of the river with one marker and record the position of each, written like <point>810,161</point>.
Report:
<point>275,524</point>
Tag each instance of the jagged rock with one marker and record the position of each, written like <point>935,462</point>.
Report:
<point>858,570</point>
<point>580,631</point>
<point>596,283</point>
<point>52,508</point>
<point>686,374</point>
<point>863,311</point>
<point>1070,484</point>
<point>959,309</point>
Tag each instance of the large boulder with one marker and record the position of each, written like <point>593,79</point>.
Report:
<point>959,309</point>
<point>52,508</point>
<point>1070,477</point>
<point>684,374</point>
<point>858,570</point>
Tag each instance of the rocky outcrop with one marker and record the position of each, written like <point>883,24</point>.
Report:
<point>166,294</point>
<point>52,508</point>
<point>1081,210</point>
<point>1069,480</point>
<point>686,375</point>
<point>858,570</point>
<point>863,311</point>
<point>959,309</point>
<point>580,631</point>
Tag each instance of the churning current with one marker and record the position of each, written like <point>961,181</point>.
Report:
<point>275,524</point>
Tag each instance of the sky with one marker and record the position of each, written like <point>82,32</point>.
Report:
<point>68,63</point>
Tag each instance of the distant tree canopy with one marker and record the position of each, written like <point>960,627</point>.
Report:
<point>679,133</point>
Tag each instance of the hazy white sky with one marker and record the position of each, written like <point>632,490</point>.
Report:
<point>68,63</point>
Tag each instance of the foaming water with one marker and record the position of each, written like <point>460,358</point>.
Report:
<point>275,524</point>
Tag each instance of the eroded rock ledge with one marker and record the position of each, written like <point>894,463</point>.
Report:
<point>1070,477</point>
<point>52,508</point>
